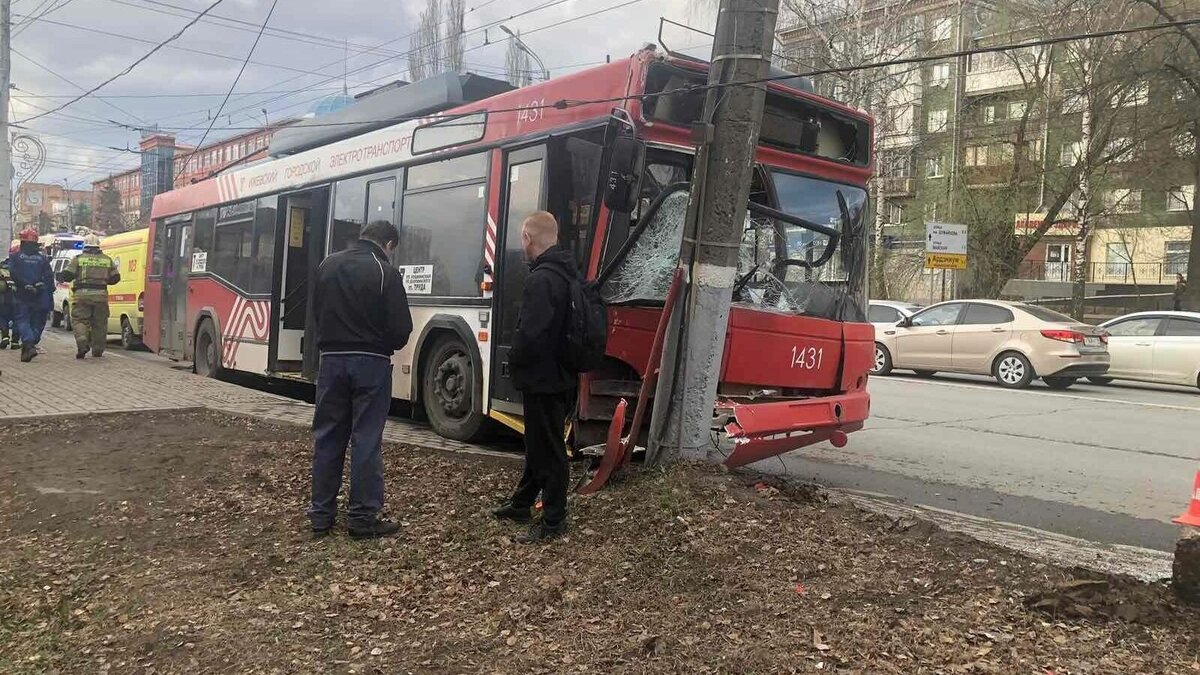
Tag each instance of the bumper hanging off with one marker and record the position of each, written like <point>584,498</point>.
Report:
<point>761,430</point>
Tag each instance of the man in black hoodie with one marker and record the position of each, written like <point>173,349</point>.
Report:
<point>362,318</point>
<point>538,372</point>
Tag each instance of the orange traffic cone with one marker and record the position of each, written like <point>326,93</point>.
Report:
<point>1192,515</point>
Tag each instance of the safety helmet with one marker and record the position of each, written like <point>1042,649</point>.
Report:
<point>28,234</point>
<point>91,240</point>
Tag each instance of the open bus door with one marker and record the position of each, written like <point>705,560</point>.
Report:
<point>524,192</point>
<point>302,218</point>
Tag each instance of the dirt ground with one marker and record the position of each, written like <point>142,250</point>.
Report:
<point>177,544</point>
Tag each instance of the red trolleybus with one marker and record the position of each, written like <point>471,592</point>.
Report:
<point>232,256</point>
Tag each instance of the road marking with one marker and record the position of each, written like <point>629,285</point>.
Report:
<point>1029,392</point>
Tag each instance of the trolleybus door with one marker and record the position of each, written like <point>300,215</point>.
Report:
<point>299,250</point>
<point>177,264</point>
<point>524,192</point>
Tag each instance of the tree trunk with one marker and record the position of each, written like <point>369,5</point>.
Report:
<point>1191,296</point>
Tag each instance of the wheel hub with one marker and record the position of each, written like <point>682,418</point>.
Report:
<point>450,385</point>
<point>1011,370</point>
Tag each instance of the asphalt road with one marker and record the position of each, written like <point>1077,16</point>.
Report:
<point>1108,464</point>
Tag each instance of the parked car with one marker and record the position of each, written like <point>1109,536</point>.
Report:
<point>885,313</point>
<point>1154,347</point>
<point>1013,342</point>
<point>61,316</point>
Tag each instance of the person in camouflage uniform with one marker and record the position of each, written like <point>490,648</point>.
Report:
<point>90,274</point>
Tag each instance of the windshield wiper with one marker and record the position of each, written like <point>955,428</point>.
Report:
<point>834,234</point>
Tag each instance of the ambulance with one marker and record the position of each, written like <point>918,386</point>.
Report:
<point>126,299</point>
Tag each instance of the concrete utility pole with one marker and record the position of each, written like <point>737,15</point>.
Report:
<point>6,215</point>
<point>742,49</point>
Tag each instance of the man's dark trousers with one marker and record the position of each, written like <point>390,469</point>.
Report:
<point>546,469</point>
<point>354,394</point>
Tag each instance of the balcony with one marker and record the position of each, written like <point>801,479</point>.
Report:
<point>896,186</point>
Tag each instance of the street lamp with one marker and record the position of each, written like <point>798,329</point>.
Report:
<point>525,48</point>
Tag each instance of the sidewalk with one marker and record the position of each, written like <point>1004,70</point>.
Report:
<point>58,384</point>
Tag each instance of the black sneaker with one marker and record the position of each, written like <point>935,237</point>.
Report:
<point>513,513</point>
<point>97,353</point>
<point>321,532</point>
<point>377,529</point>
<point>542,532</point>
<point>80,353</point>
<point>27,353</point>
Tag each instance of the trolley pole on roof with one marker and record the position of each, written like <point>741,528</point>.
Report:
<point>6,201</point>
<point>726,141</point>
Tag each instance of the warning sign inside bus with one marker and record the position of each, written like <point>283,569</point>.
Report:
<point>418,279</point>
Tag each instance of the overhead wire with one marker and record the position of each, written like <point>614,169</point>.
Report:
<point>232,85</point>
<point>131,66</point>
<point>64,78</point>
<point>54,8</point>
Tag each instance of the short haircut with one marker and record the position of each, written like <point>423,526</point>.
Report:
<point>542,228</point>
<point>381,232</point>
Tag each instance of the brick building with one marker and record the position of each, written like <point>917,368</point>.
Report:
<point>54,200</point>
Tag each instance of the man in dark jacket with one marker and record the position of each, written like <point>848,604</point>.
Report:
<point>547,387</point>
<point>362,318</point>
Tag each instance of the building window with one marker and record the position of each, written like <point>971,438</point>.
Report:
<point>894,213</point>
<point>1137,95</point>
<point>1016,110</point>
<point>976,155</point>
<point>933,167</point>
<point>1071,153</point>
<point>1116,259</point>
<point>931,212</point>
<point>896,165</point>
<point>1179,197</point>
<point>1004,153</point>
<point>1123,200</point>
<point>943,28</point>
<point>1175,257</point>
<point>989,114</point>
<point>1033,150</point>
<point>1120,149</point>
<point>937,121</point>
<point>1073,101</point>
<point>939,75</point>
<point>1183,145</point>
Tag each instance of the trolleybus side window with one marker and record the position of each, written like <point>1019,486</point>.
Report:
<point>264,245</point>
<point>233,247</point>
<point>202,239</point>
<point>348,211</point>
<point>444,216</point>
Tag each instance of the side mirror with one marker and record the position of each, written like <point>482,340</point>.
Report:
<point>906,322</point>
<point>624,174</point>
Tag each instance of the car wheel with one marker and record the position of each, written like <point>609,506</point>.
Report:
<point>1059,383</point>
<point>925,373</point>
<point>56,318</point>
<point>883,360</point>
<point>1013,370</point>
<point>208,356</point>
<point>67,324</point>
<point>1097,379</point>
<point>129,340</point>
<point>448,392</point>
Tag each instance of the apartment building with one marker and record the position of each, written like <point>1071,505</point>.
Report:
<point>993,139</point>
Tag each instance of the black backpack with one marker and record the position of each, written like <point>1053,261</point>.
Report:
<point>587,325</point>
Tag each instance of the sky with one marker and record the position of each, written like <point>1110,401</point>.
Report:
<point>76,44</point>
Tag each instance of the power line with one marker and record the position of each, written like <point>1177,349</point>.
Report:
<point>131,66</point>
<point>24,26</point>
<point>232,86</point>
<point>70,82</point>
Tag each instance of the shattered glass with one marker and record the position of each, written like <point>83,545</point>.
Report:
<point>768,274</point>
<point>645,274</point>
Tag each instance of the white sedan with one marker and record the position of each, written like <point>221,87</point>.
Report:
<point>1159,347</point>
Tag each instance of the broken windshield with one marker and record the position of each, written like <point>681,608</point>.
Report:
<point>782,265</point>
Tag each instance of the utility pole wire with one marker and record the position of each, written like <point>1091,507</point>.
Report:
<point>229,93</point>
<point>131,66</point>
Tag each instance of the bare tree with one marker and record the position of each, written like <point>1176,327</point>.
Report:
<point>425,46</point>
<point>453,42</point>
<point>824,34</point>
<point>518,67</point>
<point>1182,65</point>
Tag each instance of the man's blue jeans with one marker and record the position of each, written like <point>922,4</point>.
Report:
<point>29,320</point>
<point>354,394</point>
